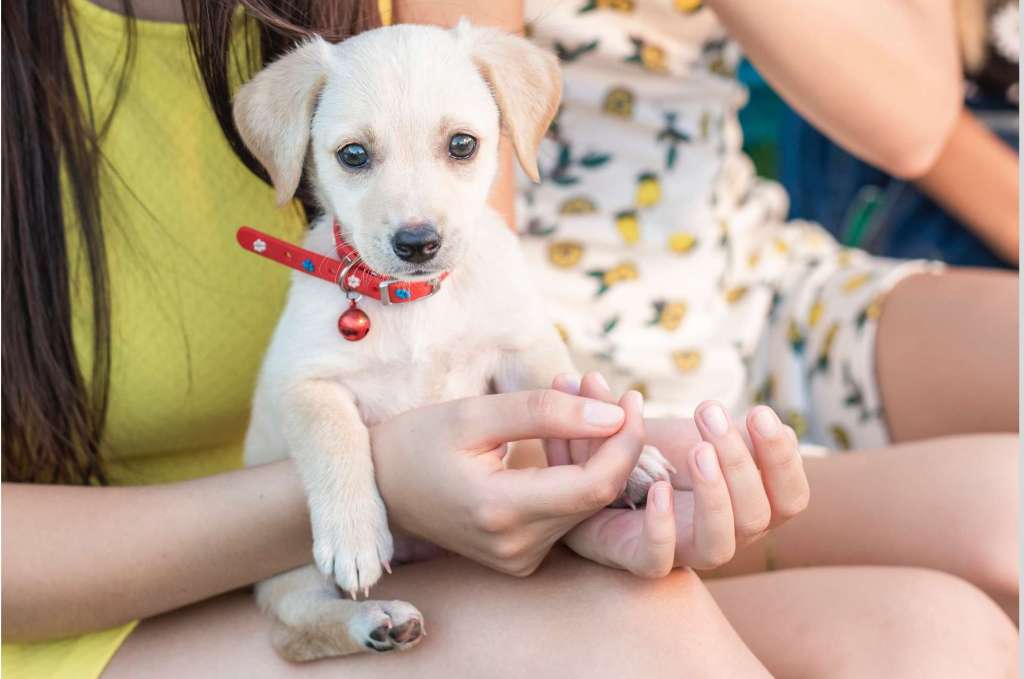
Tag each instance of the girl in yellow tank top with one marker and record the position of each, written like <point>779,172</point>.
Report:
<point>190,316</point>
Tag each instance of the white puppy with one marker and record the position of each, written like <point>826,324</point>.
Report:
<point>398,131</point>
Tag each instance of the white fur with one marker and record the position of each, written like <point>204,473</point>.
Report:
<point>402,92</point>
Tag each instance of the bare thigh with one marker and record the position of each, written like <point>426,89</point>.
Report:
<point>570,619</point>
<point>869,622</point>
<point>946,504</point>
<point>946,354</point>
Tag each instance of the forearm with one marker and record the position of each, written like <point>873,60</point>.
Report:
<point>881,77</point>
<point>84,558</point>
<point>975,178</point>
<point>505,14</point>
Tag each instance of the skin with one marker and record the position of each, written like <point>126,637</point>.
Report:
<point>768,487</point>
<point>227,631</point>
<point>937,516</point>
<point>955,631</point>
<point>479,623</point>
<point>940,378</point>
<point>975,178</point>
<point>892,514</point>
<point>902,53</point>
<point>880,622</point>
<point>438,469</point>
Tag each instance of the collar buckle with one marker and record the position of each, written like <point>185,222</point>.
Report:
<point>385,293</point>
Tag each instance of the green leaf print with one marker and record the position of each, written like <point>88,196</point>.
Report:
<point>673,137</point>
<point>568,54</point>
<point>565,180</point>
<point>592,160</point>
<point>670,157</point>
<point>610,325</point>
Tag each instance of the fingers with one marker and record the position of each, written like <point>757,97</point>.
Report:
<point>640,542</point>
<point>750,507</point>
<point>778,456</point>
<point>615,459</point>
<point>714,532</point>
<point>655,551</point>
<point>557,450</point>
<point>593,385</point>
<point>485,422</point>
<point>570,490</point>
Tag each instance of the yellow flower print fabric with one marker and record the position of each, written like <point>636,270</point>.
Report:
<point>667,263</point>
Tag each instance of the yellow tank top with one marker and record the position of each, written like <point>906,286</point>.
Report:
<point>191,312</point>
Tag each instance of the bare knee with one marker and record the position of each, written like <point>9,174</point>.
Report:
<point>987,553</point>
<point>934,624</point>
<point>997,557</point>
<point>672,624</point>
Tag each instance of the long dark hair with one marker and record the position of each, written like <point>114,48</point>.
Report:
<point>53,414</point>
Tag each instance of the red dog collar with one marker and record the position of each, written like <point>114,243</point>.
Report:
<point>349,272</point>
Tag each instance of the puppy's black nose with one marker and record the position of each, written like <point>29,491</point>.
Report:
<point>416,243</point>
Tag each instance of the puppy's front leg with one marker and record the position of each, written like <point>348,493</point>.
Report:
<point>535,365</point>
<point>331,447</point>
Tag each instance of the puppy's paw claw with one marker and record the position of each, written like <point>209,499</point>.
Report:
<point>353,552</point>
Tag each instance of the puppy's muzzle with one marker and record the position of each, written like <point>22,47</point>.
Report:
<point>416,243</point>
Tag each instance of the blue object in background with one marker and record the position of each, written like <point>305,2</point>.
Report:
<point>858,203</point>
<point>866,208</point>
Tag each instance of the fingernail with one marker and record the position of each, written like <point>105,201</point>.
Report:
<point>707,463</point>
<point>601,414</point>
<point>766,422</point>
<point>662,497</point>
<point>601,381</point>
<point>715,420</point>
<point>571,383</point>
<point>636,401</point>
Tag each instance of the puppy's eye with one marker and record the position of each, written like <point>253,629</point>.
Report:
<point>462,146</point>
<point>353,155</point>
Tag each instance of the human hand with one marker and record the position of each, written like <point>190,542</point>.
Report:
<point>440,471</point>
<point>722,496</point>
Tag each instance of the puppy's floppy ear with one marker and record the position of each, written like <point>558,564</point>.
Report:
<point>273,112</point>
<point>526,83</point>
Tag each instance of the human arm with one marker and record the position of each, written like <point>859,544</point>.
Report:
<point>82,558</point>
<point>881,77</point>
<point>975,178</point>
<point>78,559</point>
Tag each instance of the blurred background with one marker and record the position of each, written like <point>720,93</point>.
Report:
<point>964,211</point>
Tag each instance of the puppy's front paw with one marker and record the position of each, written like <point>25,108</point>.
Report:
<point>652,467</point>
<point>387,626</point>
<point>352,543</point>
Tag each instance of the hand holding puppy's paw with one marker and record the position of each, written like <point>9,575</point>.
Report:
<point>352,543</point>
<point>652,467</point>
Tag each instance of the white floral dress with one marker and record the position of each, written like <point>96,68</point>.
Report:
<point>667,264</point>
